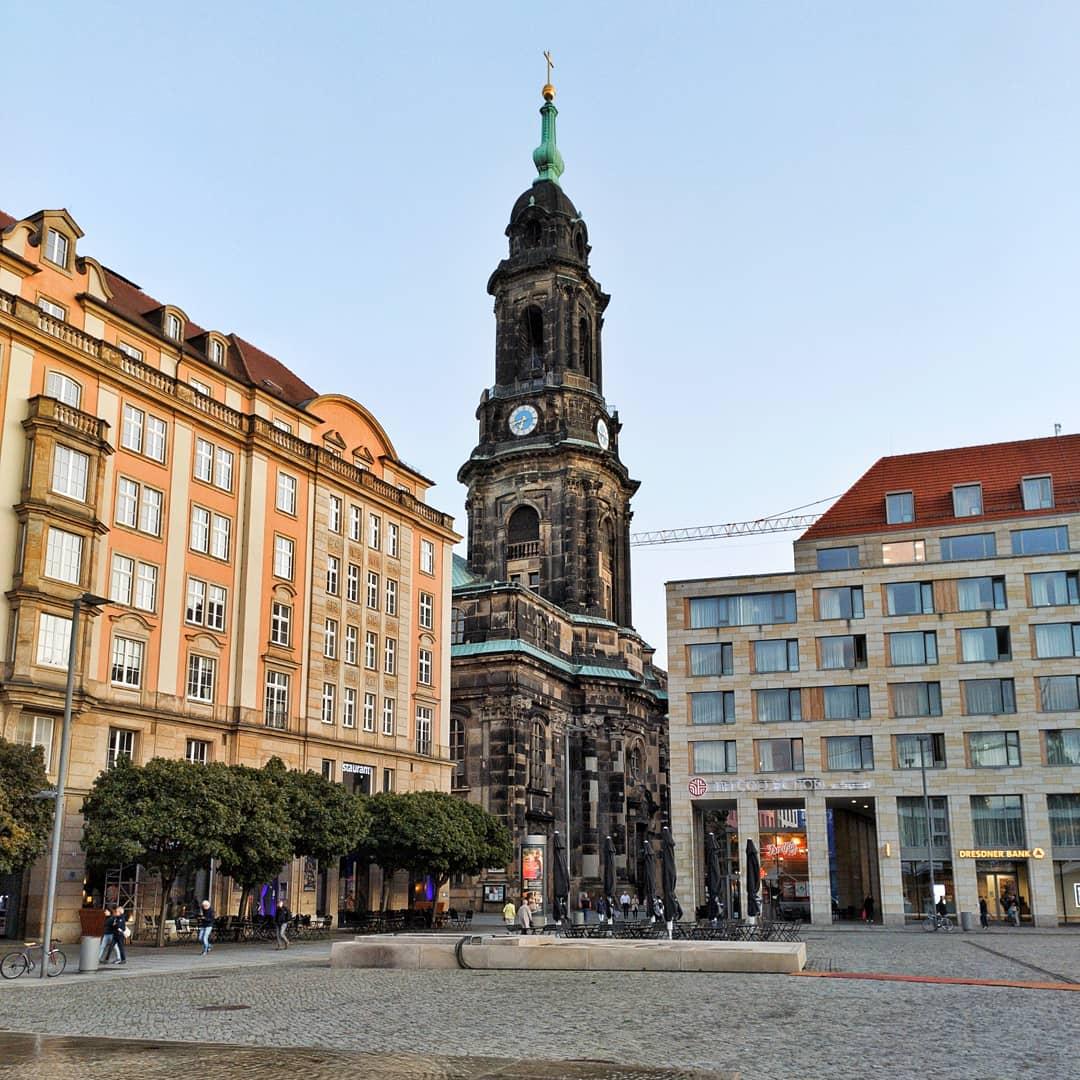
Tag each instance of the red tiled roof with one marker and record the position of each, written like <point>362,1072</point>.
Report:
<point>6,220</point>
<point>930,476</point>
<point>271,374</point>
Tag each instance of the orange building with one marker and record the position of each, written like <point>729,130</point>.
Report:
<point>278,585</point>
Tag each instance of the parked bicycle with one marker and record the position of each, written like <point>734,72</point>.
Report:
<point>22,960</point>
<point>937,922</point>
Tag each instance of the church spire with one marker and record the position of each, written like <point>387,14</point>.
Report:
<point>546,157</point>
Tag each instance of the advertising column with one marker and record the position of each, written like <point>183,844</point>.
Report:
<point>534,876</point>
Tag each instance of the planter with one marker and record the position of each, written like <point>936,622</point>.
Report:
<point>92,922</point>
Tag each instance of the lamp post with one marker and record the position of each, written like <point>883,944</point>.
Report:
<point>87,600</point>
<point>923,739</point>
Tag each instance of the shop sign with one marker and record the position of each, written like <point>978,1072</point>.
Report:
<point>352,767</point>
<point>787,848</point>
<point>1001,853</point>
<point>698,786</point>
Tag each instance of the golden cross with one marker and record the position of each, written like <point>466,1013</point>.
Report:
<point>550,64</point>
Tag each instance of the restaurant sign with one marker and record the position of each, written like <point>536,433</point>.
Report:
<point>698,786</point>
<point>1002,853</point>
<point>352,767</point>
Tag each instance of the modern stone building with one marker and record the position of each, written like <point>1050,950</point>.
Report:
<point>933,617</point>
<point>276,582</point>
<point>544,654</point>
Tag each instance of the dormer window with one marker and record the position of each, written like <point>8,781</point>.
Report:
<point>899,508</point>
<point>967,500</point>
<point>56,248</point>
<point>217,352</point>
<point>172,326</point>
<point>1038,492</point>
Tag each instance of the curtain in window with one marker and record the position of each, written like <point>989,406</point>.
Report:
<point>772,706</point>
<point>998,821</point>
<point>979,644</point>
<point>844,753</point>
<point>770,656</point>
<point>762,608</point>
<point>910,699</point>
<point>834,604</point>
<point>1064,820</point>
<point>841,702</point>
<point>707,708</point>
<point>706,659</point>
<point>982,697</point>
<point>975,594</point>
<point>1048,589</point>
<point>837,652</point>
<point>1058,693</point>
<point>1054,639</point>
<point>989,749</point>
<point>907,648</point>
<point>1063,747</point>
<point>708,611</point>
<point>774,755</point>
<point>710,757</point>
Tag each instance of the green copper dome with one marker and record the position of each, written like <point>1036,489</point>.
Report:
<point>546,157</point>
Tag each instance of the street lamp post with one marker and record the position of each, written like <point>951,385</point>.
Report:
<point>87,600</point>
<point>929,823</point>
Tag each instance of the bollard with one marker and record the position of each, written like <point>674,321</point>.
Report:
<point>967,920</point>
<point>89,950</point>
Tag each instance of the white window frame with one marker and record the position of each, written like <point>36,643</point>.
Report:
<point>127,654</point>
<point>348,708</point>
<point>200,529</point>
<point>53,640</point>
<point>424,666</point>
<point>70,473</point>
<point>427,557</point>
<point>146,578</point>
<point>330,634</point>
<point>173,326</point>
<point>217,352</point>
<point>122,579</point>
<point>156,438</point>
<point>195,601</point>
<point>57,247</point>
<point>424,723</point>
<point>200,667</point>
<point>63,556</point>
<point>131,429</point>
<point>352,584</point>
<point>427,611</point>
<point>204,460</point>
<point>391,596</point>
<point>333,575</point>
<point>121,744</point>
<point>284,557</point>
<point>333,514</point>
<point>370,701</point>
<point>220,537</point>
<point>224,462</point>
<point>276,689</point>
<point>356,522</point>
<point>42,732</point>
<point>374,531</point>
<point>52,309</point>
<point>286,493</point>
<point>352,644</point>
<point>329,703</point>
<point>197,751</point>
<point>64,388</point>
<point>372,591</point>
<point>371,649</point>
<point>388,716</point>
<point>389,655</point>
<point>280,624</point>
<point>393,539</point>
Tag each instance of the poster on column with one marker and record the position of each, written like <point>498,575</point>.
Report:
<point>533,860</point>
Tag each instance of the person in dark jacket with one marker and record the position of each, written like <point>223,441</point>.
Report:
<point>107,937</point>
<point>120,933</point>
<point>206,925</point>
<point>281,921</point>
<point>984,913</point>
<point>868,909</point>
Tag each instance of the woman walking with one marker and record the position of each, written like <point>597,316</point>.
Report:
<point>120,933</point>
<point>107,937</point>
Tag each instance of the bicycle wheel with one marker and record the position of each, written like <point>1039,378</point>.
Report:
<point>57,963</point>
<point>929,924</point>
<point>13,965</point>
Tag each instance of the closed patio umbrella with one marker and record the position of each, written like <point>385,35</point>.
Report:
<point>561,879</point>
<point>668,878</point>
<point>648,863</point>
<point>712,874</point>
<point>609,876</point>
<point>753,879</point>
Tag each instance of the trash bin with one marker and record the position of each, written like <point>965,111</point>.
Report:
<point>89,951</point>
<point>579,917</point>
<point>967,920</point>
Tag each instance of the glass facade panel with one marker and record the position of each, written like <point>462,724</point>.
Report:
<point>1038,493</point>
<point>779,755</point>
<point>752,609</point>
<point>1057,639</point>
<point>776,706</point>
<point>903,551</point>
<point>846,702</point>
<point>967,500</point>
<point>984,644</point>
<point>899,508</point>
<point>913,751</point>
<point>909,598</point>
<point>849,752</point>
<point>914,647</point>
<point>911,810</point>
<point>916,699</point>
<point>980,594</point>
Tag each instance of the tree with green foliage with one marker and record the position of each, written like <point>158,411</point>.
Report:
<point>171,816</point>
<point>326,820</point>
<point>25,821</point>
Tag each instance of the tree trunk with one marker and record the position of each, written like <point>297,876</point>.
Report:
<point>244,892</point>
<point>166,888</point>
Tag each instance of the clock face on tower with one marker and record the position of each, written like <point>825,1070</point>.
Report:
<point>602,433</point>
<point>523,420</point>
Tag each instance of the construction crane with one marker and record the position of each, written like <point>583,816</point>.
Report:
<point>775,523</point>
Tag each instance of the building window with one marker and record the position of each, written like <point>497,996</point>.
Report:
<point>852,753</point>
<point>333,514</point>
<point>713,659</point>
<point>36,731</point>
<point>130,351</point>
<point>121,745</point>
<point>391,597</point>
<point>388,779</point>
<point>276,700</point>
<point>127,661</point>
<point>220,533</point>
<point>980,594</point>
<point>280,623</point>
<point>63,556</point>
<point>330,639</point>
<point>781,655</point>
<point>1064,820</point>
<point>333,575</point>
<point>1058,693</point>
<point>912,820</point>
<point>53,310</point>
<point>457,750</point>
<point>329,703</point>
<point>127,502</point>
<point>1057,639</point>
<point>899,508</point>
<point>915,699</point>
<point>328,769</point>
<point>217,352</point>
<point>356,518</point>
<point>286,493</point>
<point>63,388</point>
<point>909,598</point>
<point>348,711</point>
<point>56,248</point>
<point>389,652</point>
<point>994,749</point>
<point>146,589</point>
<point>424,667</point>
<point>846,652</point>
<point>998,821</point>
<point>283,557</point>
<point>752,609</point>
<point>198,751</point>
<point>714,757</point>
<point>223,468</point>
<point>846,702</point>
<point>916,751</point>
<point>988,697</point>
<point>1038,493</point>
<point>172,326</point>
<point>371,645</point>
<point>973,546</point>
<point>985,644</point>
<point>913,647</point>
<point>131,431</point>
<point>427,611</point>
<point>538,756</point>
<point>1057,588</point>
<point>838,558</point>
<point>200,678</point>
<point>903,551</point>
<point>717,707</point>
<point>388,716</point>
<point>54,639</point>
<point>777,706</point>
<point>1063,747</point>
<point>373,590</point>
<point>200,387</point>
<point>424,717</point>
<point>1046,541</point>
<point>156,438</point>
<point>457,626</point>
<point>967,500</point>
<point>70,472</point>
<point>352,583</point>
<point>352,644</point>
<point>778,755</point>
<point>427,556</point>
<point>374,531</point>
<point>844,602</point>
<point>392,540</point>
<point>204,460</point>
<point>200,529</point>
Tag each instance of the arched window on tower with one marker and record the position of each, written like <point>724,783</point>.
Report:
<point>579,244</point>
<point>532,234</point>
<point>607,568</point>
<point>531,342</point>
<point>585,348</point>
<point>538,755</point>
<point>457,750</point>
<point>523,548</point>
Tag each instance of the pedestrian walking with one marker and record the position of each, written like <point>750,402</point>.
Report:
<point>206,926</point>
<point>281,921</point>
<point>984,913</point>
<point>509,913</point>
<point>524,916</point>
<point>107,942</point>
<point>624,903</point>
<point>635,907</point>
<point>120,933</point>
<point>868,909</point>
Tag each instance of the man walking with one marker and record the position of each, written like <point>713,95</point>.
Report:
<point>624,903</point>
<point>107,942</point>
<point>120,933</point>
<point>524,916</point>
<point>206,925</point>
<point>281,921</point>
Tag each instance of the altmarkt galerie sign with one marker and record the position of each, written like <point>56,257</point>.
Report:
<point>1001,853</point>
<point>699,786</point>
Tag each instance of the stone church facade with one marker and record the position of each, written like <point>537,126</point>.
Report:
<point>545,662</point>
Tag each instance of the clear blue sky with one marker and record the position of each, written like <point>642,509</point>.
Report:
<point>830,231</point>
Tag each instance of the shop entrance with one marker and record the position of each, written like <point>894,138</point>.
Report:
<point>853,859</point>
<point>720,819</point>
<point>785,864</point>
<point>999,882</point>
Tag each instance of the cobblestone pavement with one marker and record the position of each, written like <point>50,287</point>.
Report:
<point>760,1026</point>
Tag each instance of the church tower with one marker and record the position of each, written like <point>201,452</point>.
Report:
<point>549,497</point>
